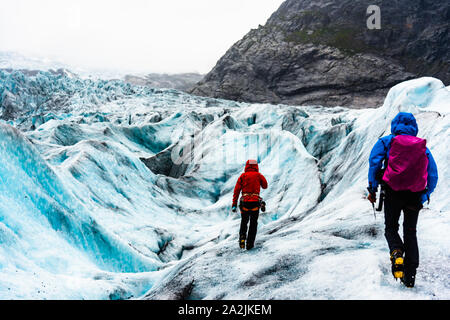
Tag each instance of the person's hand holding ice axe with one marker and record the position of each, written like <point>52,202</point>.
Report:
<point>372,195</point>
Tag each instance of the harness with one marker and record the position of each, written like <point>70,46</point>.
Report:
<point>254,209</point>
<point>241,204</point>
<point>248,209</point>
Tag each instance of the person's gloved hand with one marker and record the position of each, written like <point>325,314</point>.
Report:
<point>234,209</point>
<point>372,195</point>
<point>424,197</point>
<point>372,198</point>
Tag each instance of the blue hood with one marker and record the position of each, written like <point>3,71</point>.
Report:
<point>404,123</point>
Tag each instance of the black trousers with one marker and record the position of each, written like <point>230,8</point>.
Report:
<point>247,216</point>
<point>410,203</point>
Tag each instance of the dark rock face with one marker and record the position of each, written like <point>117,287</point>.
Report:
<point>322,52</point>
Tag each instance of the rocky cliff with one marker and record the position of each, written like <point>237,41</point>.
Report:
<point>322,52</point>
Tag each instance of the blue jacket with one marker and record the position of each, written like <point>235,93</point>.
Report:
<point>403,123</point>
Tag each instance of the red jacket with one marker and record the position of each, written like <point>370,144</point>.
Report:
<point>249,182</point>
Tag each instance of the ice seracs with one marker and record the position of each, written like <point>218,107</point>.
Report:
<point>93,207</point>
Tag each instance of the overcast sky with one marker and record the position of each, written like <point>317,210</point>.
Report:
<point>130,35</point>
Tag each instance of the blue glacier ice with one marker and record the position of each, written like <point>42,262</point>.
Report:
<point>114,191</point>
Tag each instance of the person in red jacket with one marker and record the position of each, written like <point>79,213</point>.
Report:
<point>249,183</point>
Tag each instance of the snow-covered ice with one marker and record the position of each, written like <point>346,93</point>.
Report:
<point>113,191</point>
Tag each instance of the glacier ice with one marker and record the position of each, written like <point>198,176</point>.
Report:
<point>113,191</point>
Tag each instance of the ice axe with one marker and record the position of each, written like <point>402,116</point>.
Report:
<point>372,202</point>
<point>374,211</point>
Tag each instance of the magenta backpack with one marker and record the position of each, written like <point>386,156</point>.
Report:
<point>407,164</point>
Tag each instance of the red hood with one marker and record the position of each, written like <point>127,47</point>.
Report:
<point>251,165</point>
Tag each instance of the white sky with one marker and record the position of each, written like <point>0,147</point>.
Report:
<point>130,35</point>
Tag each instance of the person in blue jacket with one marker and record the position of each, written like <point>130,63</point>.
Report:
<point>396,201</point>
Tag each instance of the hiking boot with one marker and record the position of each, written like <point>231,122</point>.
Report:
<point>250,246</point>
<point>397,264</point>
<point>242,243</point>
<point>409,279</point>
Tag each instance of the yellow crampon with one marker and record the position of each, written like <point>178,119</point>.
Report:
<point>242,244</point>
<point>397,264</point>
